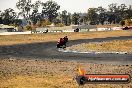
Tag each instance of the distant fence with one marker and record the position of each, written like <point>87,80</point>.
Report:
<point>7,30</point>
<point>45,30</point>
<point>82,28</point>
<point>3,30</point>
<point>55,31</point>
<point>64,29</point>
<point>40,30</point>
<point>60,28</point>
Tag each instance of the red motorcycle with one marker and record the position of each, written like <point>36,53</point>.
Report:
<point>62,42</point>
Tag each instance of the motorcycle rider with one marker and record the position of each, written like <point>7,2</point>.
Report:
<point>65,40</point>
<point>62,42</point>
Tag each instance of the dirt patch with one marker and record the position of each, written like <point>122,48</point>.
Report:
<point>36,73</point>
<point>111,46</point>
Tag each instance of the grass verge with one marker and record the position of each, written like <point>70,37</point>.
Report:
<point>111,46</point>
<point>19,39</point>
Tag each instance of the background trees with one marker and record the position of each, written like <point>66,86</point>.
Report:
<point>92,16</point>
<point>102,16</point>
<point>75,19</point>
<point>24,6</point>
<point>30,11</point>
<point>1,21</point>
<point>8,16</point>
<point>114,15</point>
<point>35,16</point>
<point>39,13</point>
<point>66,18</point>
<point>49,10</point>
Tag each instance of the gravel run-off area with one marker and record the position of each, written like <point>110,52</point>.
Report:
<point>18,72</point>
<point>114,46</point>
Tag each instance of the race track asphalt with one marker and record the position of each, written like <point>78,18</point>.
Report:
<point>48,50</point>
